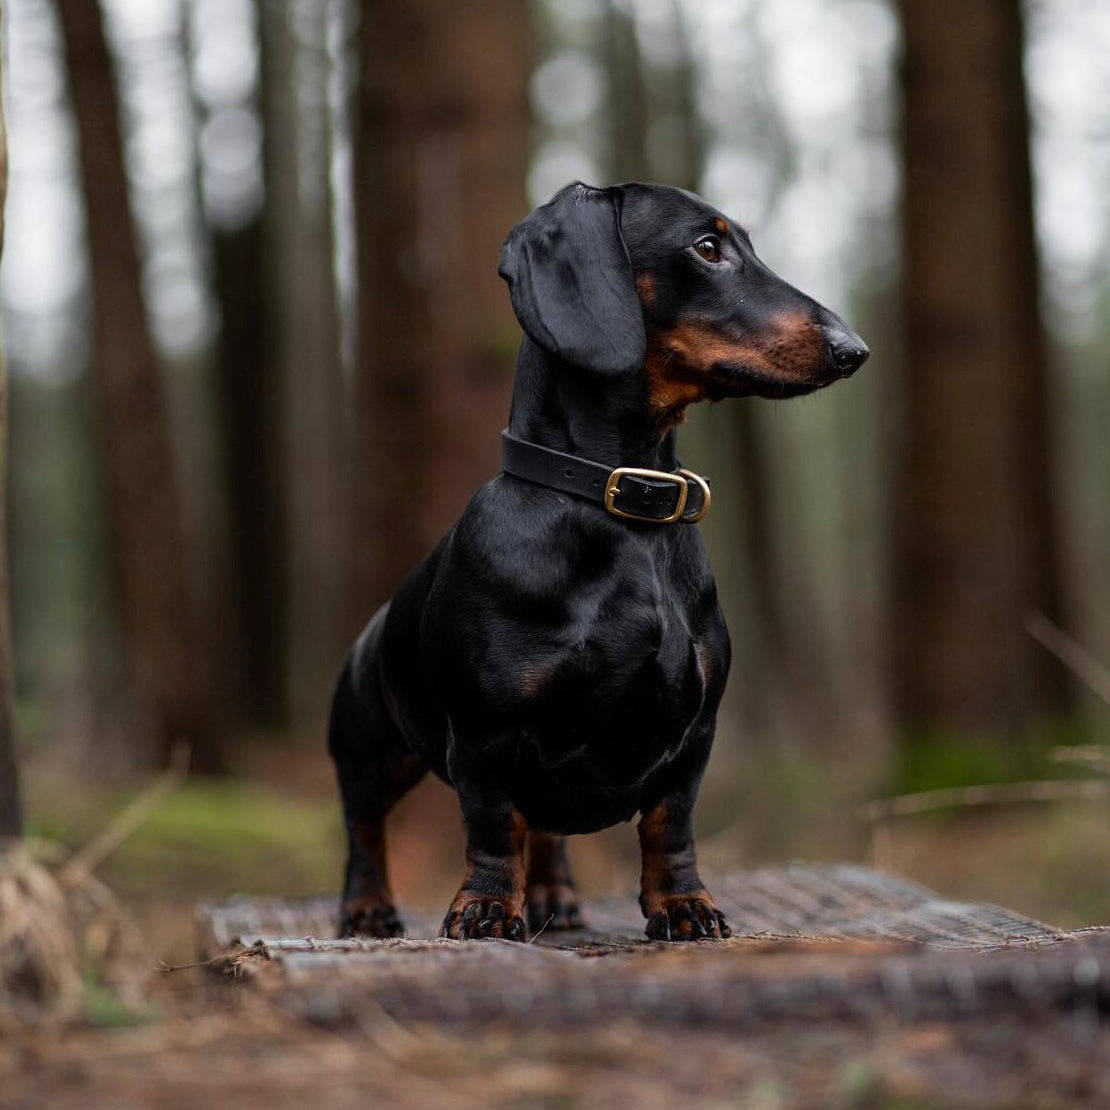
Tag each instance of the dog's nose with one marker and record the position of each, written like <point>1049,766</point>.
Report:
<point>848,351</point>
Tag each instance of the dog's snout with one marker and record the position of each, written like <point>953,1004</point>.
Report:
<point>847,350</point>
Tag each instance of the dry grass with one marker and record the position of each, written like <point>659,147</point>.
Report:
<point>40,980</point>
<point>237,1049</point>
<point>68,949</point>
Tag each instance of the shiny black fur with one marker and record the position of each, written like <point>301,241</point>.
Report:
<point>561,667</point>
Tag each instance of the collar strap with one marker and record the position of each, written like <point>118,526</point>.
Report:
<point>653,496</point>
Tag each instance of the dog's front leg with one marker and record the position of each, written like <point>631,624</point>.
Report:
<point>673,897</point>
<point>490,902</point>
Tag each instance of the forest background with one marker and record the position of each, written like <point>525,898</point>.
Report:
<point>260,355</point>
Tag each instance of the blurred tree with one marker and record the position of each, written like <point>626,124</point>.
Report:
<point>626,116</point>
<point>775,651</point>
<point>170,697</point>
<point>305,343</point>
<point>250,399</point>
<point>974,541</point>
<point>11,806</point>
<point>247,384</point>
<point>440,165</point>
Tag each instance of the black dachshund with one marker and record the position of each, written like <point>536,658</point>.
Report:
<point>560,656</point>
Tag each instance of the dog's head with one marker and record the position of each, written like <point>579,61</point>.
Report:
<point>650,279</point>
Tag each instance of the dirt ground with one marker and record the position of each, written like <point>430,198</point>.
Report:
<point>222,1045</point>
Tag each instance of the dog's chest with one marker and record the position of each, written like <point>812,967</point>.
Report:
<point>602,716</point>
<point>622,673</point>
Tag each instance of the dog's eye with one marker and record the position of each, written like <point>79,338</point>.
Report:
<point>709,248</point>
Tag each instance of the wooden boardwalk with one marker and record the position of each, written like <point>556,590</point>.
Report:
<point>828,943</point>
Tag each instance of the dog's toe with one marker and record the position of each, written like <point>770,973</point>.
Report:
<point>370,918</point>
<point>554,907</point>
<point>683,917</point>
<point>473,917</point>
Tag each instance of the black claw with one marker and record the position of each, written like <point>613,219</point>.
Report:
<point>688,920</point>
<point>551,910</point>
<point>684,923</point>
<point>492,923</point>
<point>379,921</point>
<point>470,918</point>
<point>483,918</point>
<point>384,922</point>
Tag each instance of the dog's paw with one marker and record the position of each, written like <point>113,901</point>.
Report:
<point>553,906</point>
<point>682,917</point>
<point>370,917</point>
<point>474,916</point>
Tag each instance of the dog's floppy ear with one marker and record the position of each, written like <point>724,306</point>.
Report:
<point>571,281</point>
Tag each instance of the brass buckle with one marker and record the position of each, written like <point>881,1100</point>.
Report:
<point>612,488</point>
<point>706,497</point>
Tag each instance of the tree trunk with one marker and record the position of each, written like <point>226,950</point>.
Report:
<point>249,396</point>
<point>626,116</point>
<point>974,536</point>
<point>441,160</point>
<point>11,807</point>
<point>301,288</point>
<point>143,499</point>
<point>246,382</point>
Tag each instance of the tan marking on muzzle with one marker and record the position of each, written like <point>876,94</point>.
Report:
<point>680,362</point>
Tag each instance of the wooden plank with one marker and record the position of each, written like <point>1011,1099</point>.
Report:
<point>811,943</point>
<point>841,901</point>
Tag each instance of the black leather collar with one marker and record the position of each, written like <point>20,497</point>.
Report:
<point>653,496</point>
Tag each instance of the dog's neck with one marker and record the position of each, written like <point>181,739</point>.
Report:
<point>605,419</point>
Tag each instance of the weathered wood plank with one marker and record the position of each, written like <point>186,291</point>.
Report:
<point>835,943</point>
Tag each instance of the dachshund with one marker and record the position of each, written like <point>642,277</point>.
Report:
<point>560,656</point>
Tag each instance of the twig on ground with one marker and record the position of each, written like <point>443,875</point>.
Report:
<point>1088,755</point>
<point>878,813</point>
<point>1005,793</point>
<point>540,930</point>
<point>1074,656</point>
<point>90,855</point>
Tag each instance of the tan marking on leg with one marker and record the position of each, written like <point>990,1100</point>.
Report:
<point>672,896</point>
<point>490,902</point>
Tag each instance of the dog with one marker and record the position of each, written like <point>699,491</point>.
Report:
<point>560,656</point>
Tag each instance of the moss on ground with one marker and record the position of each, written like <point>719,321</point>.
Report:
<point>208,839</point>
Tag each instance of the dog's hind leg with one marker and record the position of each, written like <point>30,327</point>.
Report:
<point>551,898</point>
<point>375,768</point>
